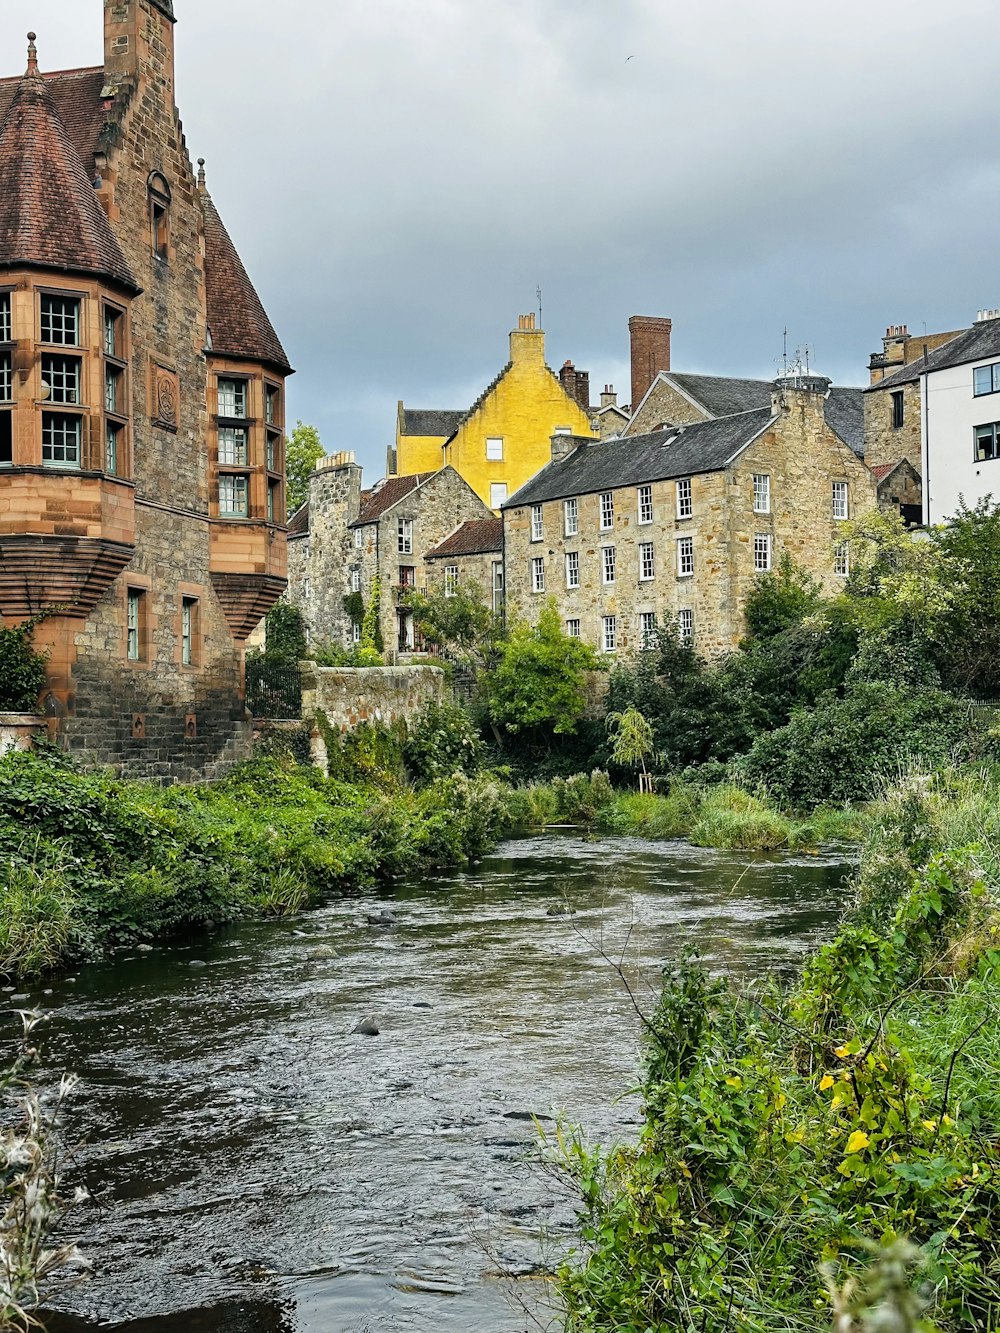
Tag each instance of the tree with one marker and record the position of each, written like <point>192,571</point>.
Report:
<point>460,622</point>
<point>303,451</point>
<point>632,740</point>
<point>285,633</point>
<point>538,684</point>
<point>968,648</point>
<point>780,599</point>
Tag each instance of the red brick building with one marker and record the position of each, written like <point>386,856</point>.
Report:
<point>141,413</point>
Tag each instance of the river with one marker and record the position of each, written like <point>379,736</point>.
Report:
<point>259,1167</point>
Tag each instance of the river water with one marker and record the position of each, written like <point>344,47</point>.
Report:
<point>259,1167</point>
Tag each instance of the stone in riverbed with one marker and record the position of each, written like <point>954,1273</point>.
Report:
<point>560,909</point>
<point>19,999</point>
<point>145,948</point>
<point>383,918</point>
<point>367,1028</point>
<point>197,962</point>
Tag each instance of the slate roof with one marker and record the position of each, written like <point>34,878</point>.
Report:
<point>374,503</point>
<point>979,343</point>
<point>49,214</point>
<point>479,536</point>
<point>636,460</point>
<point>77,97</point>
<point>418,421</point>
<point>237,321</point>
<point>845,415</point>
<point>298,524</point>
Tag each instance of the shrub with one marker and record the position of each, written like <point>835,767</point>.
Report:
<point>22,670</point>
<point>440,741</point>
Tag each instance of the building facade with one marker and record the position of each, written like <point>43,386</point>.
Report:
<point>472,558</point>
<point>141,413</point>
<point>682,522</point>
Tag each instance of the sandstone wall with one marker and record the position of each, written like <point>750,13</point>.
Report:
<point>885,443</point>
<point>383,695</point>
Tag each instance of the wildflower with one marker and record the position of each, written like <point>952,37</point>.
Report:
<point>858,1140</point>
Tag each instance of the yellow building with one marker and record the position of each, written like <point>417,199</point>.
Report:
<point>505,437</point>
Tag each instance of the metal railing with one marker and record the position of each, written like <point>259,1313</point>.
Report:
<point>274,689</point>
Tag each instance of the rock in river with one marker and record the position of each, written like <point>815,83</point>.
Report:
<point>367,1028</point>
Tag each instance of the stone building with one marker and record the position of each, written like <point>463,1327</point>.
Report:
<point>682,521</point>
<point>503,439</point>
<point>345,543</point>
<point>470,557</point>
<point>141,413</point>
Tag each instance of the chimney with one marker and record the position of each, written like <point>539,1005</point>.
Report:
<point>563,445</point>
<point>650,342</point>
<point>608,396</point>
<point>576,383</point>
<point>139,40</point>
<point>527,344</point>
<point>807,391</point>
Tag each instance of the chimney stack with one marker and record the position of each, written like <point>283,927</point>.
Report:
<point>526,342</point>
<point>649,336</point>
<point>608,396</point>
<point>576,383</point>
<point>139,39</point>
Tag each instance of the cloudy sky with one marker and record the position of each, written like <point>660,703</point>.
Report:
<point>400,176</point>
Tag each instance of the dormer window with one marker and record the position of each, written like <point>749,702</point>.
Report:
<point>159,215</point>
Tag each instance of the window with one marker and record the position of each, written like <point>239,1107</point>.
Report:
<point>645,504</point>
<point>113,389</point>
<point>607,511</point>
<point>896,408</point>
<point>571,517</point>
<point>159,215</point>
<point>232,446</point>
<point>494,450</point>
<point>572,569</point>
<point>271,452</point>
<point>497,585</point>
<point>6,378</point>
<point>685,557</point>
<point>647,629</point>
<point>112,448</point>
<point>572,629</point>
<point>985,379</point>
<point>355,632</point>
<point>272,405</point>
<point>407,576</point>
<point>498,494</point>
<point>987,442</point>
<point>685,625</point>
<point>233,500</point>
<point>274,514</point>
<point>113,333</point>
<point>62,376</point>
<point>536,523</point>
<point>647,568</point>
<point>538,574</point>
<point>762,552</point>
<point>6,439</point>
<point>685,507</point>
<point>355,579</point>
<point>233,398</point>
<point>842,559</point>
<point>6,332</point>
<point>136,616</point>
<point>60,439</point>
<point>761,493</point>
<point>450,580</point>
<point>840,499</point>
<point>404,536</point>
<point>609,634</point>
<point>607,564</point>
<point>60,321</point>
<point>189,615</point>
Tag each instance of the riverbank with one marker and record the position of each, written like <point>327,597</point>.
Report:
<point>91,862</point>
<point>784,1128</point>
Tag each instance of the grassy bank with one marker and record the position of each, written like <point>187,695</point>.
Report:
<point>89,862</point>
<point>789,1128</point>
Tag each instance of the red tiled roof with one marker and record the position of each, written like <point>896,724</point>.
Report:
<point>374,503</point>
<point>49,214</point>
<point>237,321</point>
<point>479,536</point>
<point>298,524</point>
<point>77,97</point>
<point>882,470</point>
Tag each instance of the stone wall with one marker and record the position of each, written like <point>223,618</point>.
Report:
<point>885,443</point>
<point>383,695</point>
<point>665,405</point>
<point>19,730</point>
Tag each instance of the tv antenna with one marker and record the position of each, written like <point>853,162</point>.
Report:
<point>538,293</point>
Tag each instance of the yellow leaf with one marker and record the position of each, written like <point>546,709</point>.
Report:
<point>826,1082</point>
<point>929,1124</point>
<point>734,1082</point>
<point>858,1140</point>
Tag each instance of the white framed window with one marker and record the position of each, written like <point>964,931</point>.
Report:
<point>497,585</point>
<point>404,536</point>
<point>647,567</point>
<point>608,560</point>
<point>840,500</point>
<point>761,493</point>
<point>538,574</point>
<point>112,451</point>
<point>450,580</point>
<point>233,398</point>
<point>61,439</point>
<point>233,497</point>
<point>572,629</point>
<point>6,377</point>
<point>498,494</point>
<point>685,624</point>
<point>355,632</point>
<point>571,517</point>
<point>136,607</point>
<point>563,430</point>
<point>6,334</point>
<point>685,557</point>
<point>494,449</point>
<point>647,629</point>
<point>355,580</point>
<point>60,321</point>
<point>572,569</point>
<point>762,552</point>
<point>536,523</point>
<point>609,633</point>
<point>685,505</point>
<point>842,559</point>
<point>645,497</point>
<point>232,446</point>
<point>358,539</point>
<point>607,511</point>
<point>62,375</point>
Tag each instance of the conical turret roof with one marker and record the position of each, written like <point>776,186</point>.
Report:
<point>49,213</point>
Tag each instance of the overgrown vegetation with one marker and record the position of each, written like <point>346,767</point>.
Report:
<point>22,669</point>
<point>854,1110</point>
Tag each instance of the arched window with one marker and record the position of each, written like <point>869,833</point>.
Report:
<point>159,215</point>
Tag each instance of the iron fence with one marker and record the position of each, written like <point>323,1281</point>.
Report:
<point>274,689</point>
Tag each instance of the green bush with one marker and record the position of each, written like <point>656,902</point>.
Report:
<point>440,741</point>
<point>22,670</point>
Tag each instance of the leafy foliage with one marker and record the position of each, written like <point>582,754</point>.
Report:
<point>22,669</point>
<point>459,622</point>
<point>286,633</point>
<point>538,684</point>
<point>780,600</point>
<point>442,740</point>
<point>303,450</point>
